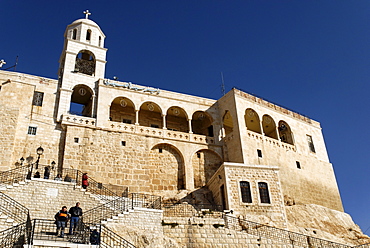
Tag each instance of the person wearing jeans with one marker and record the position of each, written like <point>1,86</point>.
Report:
<point>76,213</point>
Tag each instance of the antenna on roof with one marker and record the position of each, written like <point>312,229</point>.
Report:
<point>13,66</point>
<point>223,84</point>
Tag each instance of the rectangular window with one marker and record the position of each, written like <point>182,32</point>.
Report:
<point>160,150</point>
<point>123,143</point>
<point>264,192</point>
<point>32,130</point>
<point>298,164</point>
<point>259,153</point>
<point>38,97</point>
<point>310,143</point>
<point>245,190</point>
<point>128,121</point>
<point>76,140</point>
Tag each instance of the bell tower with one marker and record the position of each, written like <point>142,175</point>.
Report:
<point>81,65</point>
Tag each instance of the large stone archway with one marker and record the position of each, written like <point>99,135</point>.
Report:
<point>166,169</point>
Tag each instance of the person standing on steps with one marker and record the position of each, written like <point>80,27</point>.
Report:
<point>85,181</point>
<point>61,219</point>
<point>76,213</point>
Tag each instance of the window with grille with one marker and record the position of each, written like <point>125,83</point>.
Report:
<point>264,192</point>
<point>32,130</point>
<point>245,190</point>
<point>38,97</point>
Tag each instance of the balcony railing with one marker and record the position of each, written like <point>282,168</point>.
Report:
<point>188,210</point>
<point>13,176</point>
<point>13,209</point>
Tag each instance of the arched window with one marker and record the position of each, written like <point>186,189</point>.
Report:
<point>177,120</point>
<point>252,121</point>
<point>150,115</point>
<point>122,110</point>
<point>245,190</point>
<point>81,101</point>
<point>264,192</point>
<point>202,124</point>
<point>228,122</point>
<point>74,34</point>
<point>85,62</point>
<point>99,40</point>
<point>88,34</point>
<point>285,133</point>
<point>269,127</point>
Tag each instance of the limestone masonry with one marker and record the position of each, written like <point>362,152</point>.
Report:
<point>251,156</point>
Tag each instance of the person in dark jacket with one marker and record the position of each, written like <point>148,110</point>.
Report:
<point>76,213</point>
<point>61,219</point>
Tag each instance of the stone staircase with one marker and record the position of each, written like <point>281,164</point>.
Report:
<point>45,197</point>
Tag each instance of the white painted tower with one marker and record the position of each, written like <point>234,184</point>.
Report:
<point>81,65</point>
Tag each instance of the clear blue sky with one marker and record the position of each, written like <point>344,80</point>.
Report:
<point>310,56</point>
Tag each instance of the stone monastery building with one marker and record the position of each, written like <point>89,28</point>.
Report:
<point>252,156</point>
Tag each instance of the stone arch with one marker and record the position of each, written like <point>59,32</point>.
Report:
<point>269,127</point>
<point>82,101</point>
<point>285,133</point>
<point>177,119</point>
<point>228,122</point>
<point>252,120</point>
<point>85,62</point>
<point>205,163</point>
<point>122,109</point>
<point>201,123</point>
<point>166,168</point>
<point>150,115</point>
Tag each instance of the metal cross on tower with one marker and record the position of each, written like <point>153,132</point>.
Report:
<point>87,13</point>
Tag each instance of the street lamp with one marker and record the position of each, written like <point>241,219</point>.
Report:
<point>39,152</point>
<point>22,160</point>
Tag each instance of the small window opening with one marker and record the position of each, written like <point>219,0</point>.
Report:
<point>38,98</point>
<point>74,34</point>
<point>32,130</point>
<point>88,35</point>
<point>99,40</point>
<point>128,121</point>
<point>160,150</point>
<point>123,143</point>
<point>259,153</point>
<point>76,140</point>
<point>298,164</point>
<point>310,144</point>
<point>154,125</point>
<point>198,154</point>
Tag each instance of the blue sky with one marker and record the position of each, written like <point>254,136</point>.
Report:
<point>310,56</point>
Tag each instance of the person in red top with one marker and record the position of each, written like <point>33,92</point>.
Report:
<point>85,181</point>
<point>61,219</point>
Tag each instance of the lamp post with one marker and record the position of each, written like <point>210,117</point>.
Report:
<point>22,160</point>
<point>39,152</point>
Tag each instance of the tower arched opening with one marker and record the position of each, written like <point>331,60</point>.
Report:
<point>269,127</point>
<point>150,115</point>
<point>122,109</point>
<point>81,101</point>
<point>285,133</point>
<point>85,62</point>
<point>201,123</point>
<point>228,122</point>
<point>176,119</point>
<point>252,120</point>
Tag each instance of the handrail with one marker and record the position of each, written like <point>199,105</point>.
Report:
<point>192,210</point>
<point>14,175</point>
<point>13,209</point>
<point>16,236</point>
<point>108,239</point>
<point>141,200</point>
<point>105,211</point>
<point>284,236</point>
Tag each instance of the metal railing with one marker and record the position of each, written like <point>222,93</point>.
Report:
<point>105,211</point>
<point>189,210</point>
<point>363,246</point>
<point>13,209</point>
<point>144,200</point>
<point>109,239</point>
<point>16,236</point>
<point>284,236</point>
<point>13,176</point>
